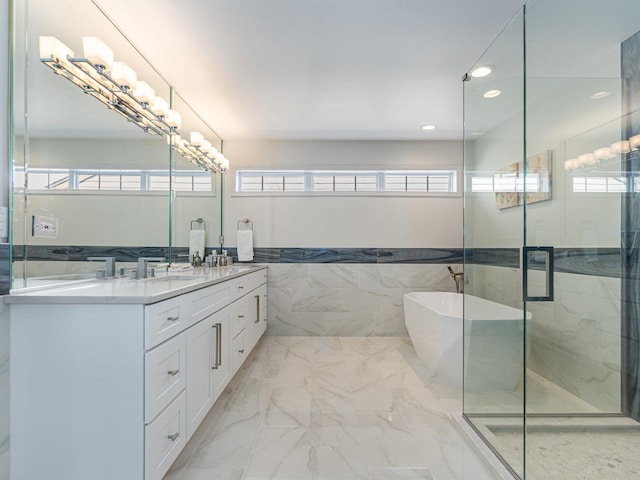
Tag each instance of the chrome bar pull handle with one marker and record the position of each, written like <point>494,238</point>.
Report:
<point>219,348</point>
<point>173,373</point>
<point>257,309</point>
<point>539,258</point>
<point>173,319</point>
<point>173,437</point>
<point>217,327</point>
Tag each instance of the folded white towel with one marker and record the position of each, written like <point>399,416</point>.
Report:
<point>245,245</point>
<point>196,242</point>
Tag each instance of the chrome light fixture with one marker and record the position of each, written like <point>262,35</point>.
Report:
<point>116,85</point>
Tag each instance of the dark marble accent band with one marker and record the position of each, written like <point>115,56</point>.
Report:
<point>354,255</point>
<point>78,253</point>
<point>497,257</point>
<point>420,255</point>
<point>5,268</point>
<point>630,307</point>
<point>603,262</point>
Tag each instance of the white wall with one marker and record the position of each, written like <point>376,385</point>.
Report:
<point>98,218</point>
<point>343,222</point>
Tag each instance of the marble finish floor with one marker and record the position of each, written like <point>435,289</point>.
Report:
<point>573,448</point>
<point>331,408</point>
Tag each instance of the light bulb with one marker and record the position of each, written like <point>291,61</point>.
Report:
<point>634,142</point>
<point>205,146</point>
<point>124,75</point>
<point>586,159</point>
<point>623,146</point>
<point>602,153</point>
<point>51,47</point>
<point>160,107</point>
<point>97,52</point>
<point>196,139</point>
<point>571,164</point>
<point>174,119</point>
<point>224,165</point>
<point>174,140</point>
<point>144,93</point>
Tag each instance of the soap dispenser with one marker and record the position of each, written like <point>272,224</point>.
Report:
<point>197,260</point>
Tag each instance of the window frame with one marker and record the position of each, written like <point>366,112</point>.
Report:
<point>381,173</point>
<point>74,182</point>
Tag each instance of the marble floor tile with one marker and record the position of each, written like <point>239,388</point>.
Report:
<point>331,408</point>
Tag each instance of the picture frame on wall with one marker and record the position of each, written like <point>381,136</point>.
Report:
<point>514,186</point>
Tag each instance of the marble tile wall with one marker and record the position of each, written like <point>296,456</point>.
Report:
<point>347,299</point>
<point>574,340</point>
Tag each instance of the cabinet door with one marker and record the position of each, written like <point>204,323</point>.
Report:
<point>256,326</point>
<point>208,365</point>
<point>221,373</point>
<point>200,359</point>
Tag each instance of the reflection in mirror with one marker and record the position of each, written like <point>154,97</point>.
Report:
<point>196,196</point>
<point>88,182</point>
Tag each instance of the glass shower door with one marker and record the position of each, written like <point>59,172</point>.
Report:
<point>494,352</point>
<point>577,116</point>
<point>551,222</point>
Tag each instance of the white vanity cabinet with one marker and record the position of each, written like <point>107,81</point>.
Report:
<point>114,389</point>
<point>250,323</point>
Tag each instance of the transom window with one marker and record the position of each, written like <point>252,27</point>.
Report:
<point>346,181</point>
<point>85,180</point>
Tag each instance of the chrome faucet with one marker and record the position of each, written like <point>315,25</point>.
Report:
<point>109,265</point>
<point>143,265</point>
<point>458,277</point>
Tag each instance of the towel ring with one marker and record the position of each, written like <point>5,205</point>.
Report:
<point>201,222</point>
<point>246,223</point>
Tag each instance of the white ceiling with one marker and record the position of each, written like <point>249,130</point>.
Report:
<point>317,69</point>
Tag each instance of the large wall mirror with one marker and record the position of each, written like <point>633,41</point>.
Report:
<point>89,181</point>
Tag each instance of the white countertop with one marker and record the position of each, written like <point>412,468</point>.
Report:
<point>127,291</point>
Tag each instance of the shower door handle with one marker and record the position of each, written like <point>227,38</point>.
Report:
<point>538,258</point>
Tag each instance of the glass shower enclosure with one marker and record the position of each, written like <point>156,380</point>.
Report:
<point>551,222</point>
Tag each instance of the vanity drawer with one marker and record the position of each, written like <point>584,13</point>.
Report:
<point>246,283</point>
<point>238,352</point>
<point>209,300</point>
<point>163,320</point>
<point>238,318</point>
<point>164,438</point>
<point>165,373</point>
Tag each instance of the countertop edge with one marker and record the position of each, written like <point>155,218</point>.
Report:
<point>32,298</point>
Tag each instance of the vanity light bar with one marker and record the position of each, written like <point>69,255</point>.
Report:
<point>622,147</point>
<point>116,85</point>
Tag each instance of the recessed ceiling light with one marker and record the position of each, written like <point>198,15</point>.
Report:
<point>491,93</point>
<point>481,71</point>
<point>598,95</point>
<point>429,126</point>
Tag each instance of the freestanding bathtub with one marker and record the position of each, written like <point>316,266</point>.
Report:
<point>493,352</point>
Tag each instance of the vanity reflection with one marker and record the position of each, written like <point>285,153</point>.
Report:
<point>89,182</point>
